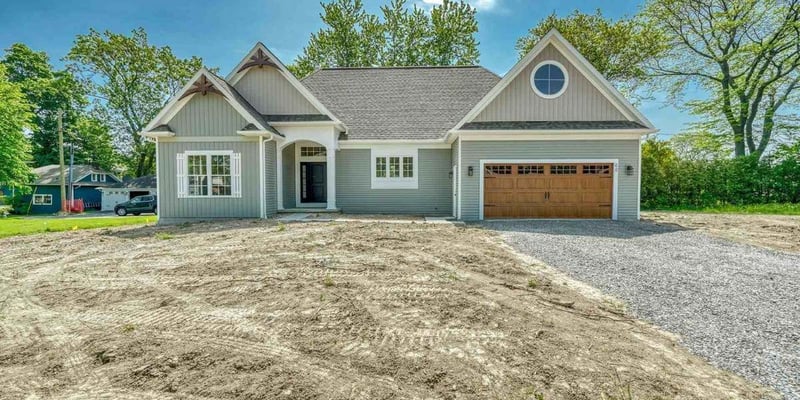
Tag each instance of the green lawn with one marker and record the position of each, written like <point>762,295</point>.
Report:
<point>773,208</point>
<point>13,226</point>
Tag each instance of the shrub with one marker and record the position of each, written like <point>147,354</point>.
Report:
<point>669,181</point>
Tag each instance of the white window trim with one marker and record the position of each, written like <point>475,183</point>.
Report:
<point>394,183</point>
<point>235,174</point>
<point>554,95</point>
<point>43,202</point>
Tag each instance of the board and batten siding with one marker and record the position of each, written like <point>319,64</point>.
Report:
<point>289,197</point>
<point>580,102</point>
<point>270,178</point>
<point>270,93</point>
<point>173,210</point>
<point>355,195</point>
<point>209,115</point>
<point>626,151</point>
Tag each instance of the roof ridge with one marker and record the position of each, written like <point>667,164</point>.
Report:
<point>401,67</point>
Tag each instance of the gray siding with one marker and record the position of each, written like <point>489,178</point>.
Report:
<point>456,177</point>
<point>270,178</point>
<point>627,151</point>
<point>172,209</point>
<point>289,200</point>
<point>354,195</point>
<point>270,93</point>
<point>209,115</point>
<point>580,102</point>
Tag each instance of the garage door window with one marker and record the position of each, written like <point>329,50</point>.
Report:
<point>530,169</point>
<point>592,169</point>
<point>498,169</point>
<point>563,169</point>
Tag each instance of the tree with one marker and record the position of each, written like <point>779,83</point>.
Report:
<point>700,145</point>
<point>745,54</point>
<point>15,118</point>
<point>403,36</point>
<point>93,144</point>
<point>617,49</point>
<point>351,39</point>
<point>453,29</point>
<point>132,80</point>
<point>47,91</point>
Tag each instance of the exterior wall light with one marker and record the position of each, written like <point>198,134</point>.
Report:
<point>469,170</point>
<point>450,174</point>
<point>629,170</point>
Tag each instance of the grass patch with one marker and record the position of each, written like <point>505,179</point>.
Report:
<point>164,236</point>
<point>328,281</point>
<point>771,208</point>
<point>533,283</point>
<point>14,226</point>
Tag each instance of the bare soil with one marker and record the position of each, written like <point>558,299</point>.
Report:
<point>778,232</point>
<point>259,310</point>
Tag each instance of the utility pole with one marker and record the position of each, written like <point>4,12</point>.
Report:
<point>60,115</point>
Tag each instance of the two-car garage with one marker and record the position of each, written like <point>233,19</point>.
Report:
<point>548,190</point>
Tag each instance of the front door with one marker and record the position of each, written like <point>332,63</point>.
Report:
<point>313,182</point>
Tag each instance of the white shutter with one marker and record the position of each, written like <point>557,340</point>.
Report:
<point>236,175</point>
<point>181,181</point>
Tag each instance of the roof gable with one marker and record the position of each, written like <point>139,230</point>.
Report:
<point>51,175</point>
<point>261,57</point>
<point>596,97</point>
<point>205,83</point>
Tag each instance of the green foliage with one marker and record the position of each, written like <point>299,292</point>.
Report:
<point>15,117</point>
<point>669,181</point>
<point>401,36</point>
<point>15,226</point>
<point>701,145</point>
<point>132,80</point>
<point>48,90</point>
<point>743,55</point>
<point>618,49</point>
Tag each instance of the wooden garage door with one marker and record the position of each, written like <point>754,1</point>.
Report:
<point>548,190</point>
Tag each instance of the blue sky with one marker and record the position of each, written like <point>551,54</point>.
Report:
<point>222,32</point>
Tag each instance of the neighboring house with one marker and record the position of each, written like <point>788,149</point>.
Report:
<point>552,139</point>
<point>46,189</point>
<point>124,191</point>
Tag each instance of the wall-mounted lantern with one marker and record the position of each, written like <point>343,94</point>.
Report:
<point>469,170</point>
<point>450,174</point>
<point>629,170</point>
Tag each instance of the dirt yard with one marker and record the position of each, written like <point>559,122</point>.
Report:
<point>778,232</point>
<point>259,310</point>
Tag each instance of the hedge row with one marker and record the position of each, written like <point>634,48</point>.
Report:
<point>669,181</point>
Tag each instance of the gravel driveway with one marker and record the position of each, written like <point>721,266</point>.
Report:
<point>734,304</point>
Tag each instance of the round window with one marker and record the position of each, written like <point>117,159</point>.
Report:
<point>549,79</point>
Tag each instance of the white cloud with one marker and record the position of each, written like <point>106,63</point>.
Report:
<point>480,5</point>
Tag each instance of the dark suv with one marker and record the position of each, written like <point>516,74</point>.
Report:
<point>138,205</point>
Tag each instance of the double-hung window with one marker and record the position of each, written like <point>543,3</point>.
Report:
<point>209,174</point>
<point>394,169</point>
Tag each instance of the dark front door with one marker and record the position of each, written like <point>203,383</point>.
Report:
<point>313,182</point>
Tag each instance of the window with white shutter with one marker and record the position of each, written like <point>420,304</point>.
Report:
<point>181,168</point>
<point>209,174</point>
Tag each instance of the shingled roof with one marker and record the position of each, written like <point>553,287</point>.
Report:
<point>400,102</point>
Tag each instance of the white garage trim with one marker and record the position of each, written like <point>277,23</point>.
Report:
<point>614,161</point>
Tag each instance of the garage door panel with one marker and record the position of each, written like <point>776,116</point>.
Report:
<point>528,182</point>
<point>548,190</point>
<point>495,198</point>
<point>528,197</point>
<point>596,197</point>
<point>560,183</point>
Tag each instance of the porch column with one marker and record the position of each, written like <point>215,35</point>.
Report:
<point>331,178</point>
<point>279,162</point>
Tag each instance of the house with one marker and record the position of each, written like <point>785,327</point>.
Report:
<point>46,189</point>
<point>550,139</point>
<point>126,190</point>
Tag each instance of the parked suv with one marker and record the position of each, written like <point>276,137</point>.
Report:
<point>138,205</point>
